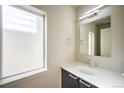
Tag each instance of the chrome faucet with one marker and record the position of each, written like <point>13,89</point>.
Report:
<point>91,63</point>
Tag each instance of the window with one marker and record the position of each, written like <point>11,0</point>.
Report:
<point>24,42</point>
<point>91,43</point>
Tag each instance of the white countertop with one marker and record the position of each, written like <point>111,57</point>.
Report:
<point>101,78</point>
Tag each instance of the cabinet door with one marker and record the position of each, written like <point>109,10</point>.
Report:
<point>69,80</point>
<point>84,84</point>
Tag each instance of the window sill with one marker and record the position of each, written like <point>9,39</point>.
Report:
<point>20,76</point>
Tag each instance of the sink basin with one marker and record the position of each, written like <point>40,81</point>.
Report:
<point>88,71</point>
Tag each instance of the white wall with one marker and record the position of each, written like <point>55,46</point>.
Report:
<point>116,61</point>
<point>61,26</point>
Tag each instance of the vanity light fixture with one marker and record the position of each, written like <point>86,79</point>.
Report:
<point>91,13</point>
<point>98,7</point>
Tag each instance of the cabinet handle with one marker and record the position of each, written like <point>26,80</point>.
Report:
<point>87,85</point>
<point>72,76</point>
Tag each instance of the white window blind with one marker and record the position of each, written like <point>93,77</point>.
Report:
<point>19,20</point>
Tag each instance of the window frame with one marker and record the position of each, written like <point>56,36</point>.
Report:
<point>35,71</point>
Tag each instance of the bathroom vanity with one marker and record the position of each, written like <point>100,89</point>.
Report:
<point>80,75</point>
<point>69,80</point>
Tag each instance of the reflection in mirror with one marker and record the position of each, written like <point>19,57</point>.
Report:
<point>95,37</point>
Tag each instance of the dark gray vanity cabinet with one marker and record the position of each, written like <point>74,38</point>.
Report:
<point>71,81</point>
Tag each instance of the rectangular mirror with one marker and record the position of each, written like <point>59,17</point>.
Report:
<point>95,37</point>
